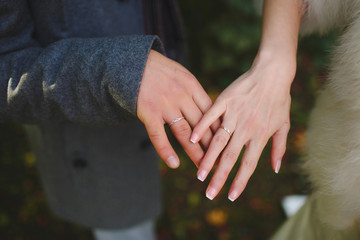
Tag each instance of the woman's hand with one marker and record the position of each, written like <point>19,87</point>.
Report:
<point>254,108</point>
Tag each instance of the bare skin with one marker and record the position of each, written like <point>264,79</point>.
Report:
<point>256,106</point>
<point>168,91</point>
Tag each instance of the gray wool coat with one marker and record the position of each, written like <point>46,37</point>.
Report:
<point>71,70</point>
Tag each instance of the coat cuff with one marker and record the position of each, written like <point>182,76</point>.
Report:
<point>125,92</point>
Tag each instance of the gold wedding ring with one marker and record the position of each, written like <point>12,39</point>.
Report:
<point>226,130</point>
<point>175,121</point>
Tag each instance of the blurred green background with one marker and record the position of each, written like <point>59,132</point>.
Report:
<point>222,38</point>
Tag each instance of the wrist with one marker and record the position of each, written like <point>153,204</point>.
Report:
<point>279,61</point>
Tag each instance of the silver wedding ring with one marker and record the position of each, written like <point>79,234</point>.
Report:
<point>226,130</point>
<point>175,121</point>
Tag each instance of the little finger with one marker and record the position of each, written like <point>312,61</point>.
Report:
<point>278,147</point>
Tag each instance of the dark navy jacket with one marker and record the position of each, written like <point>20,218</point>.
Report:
<point>71,70</point>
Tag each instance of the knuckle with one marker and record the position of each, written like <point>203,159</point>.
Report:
<point>155,135</point>
<point>260,127</point>
<point>190,78</point>
<point>261,141</point>
<point>230,156</point>
<point>182,130</point>
<point>157,140</point>
<point>249,164</point>
<point>253,116</point>
<point>224,173</point>
<point>177,87</point>
<point>220,139</point>
<point>148,104</point>
<point>186,79</point>
<point>261,135</point>
<point>192,81</point>
<point>264,129</point>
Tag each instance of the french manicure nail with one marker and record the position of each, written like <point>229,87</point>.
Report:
<point>201,175</point>
<point>278,165</point>
<point>194,138</point>
<point>173,162</point>
<point>233,195</point>
<point>210,193</point>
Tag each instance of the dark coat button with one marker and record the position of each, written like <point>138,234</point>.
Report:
<point>79,163</point>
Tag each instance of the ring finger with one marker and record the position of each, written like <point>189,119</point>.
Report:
<point>227,161</point>
<point>217,144</point>
<point>182,131</point>
<point>247,167</point>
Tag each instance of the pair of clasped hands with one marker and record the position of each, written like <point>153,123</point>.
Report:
<point>254,108</point>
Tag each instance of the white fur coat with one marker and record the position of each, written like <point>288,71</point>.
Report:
<point>332,157</point>
<point>332,151</point>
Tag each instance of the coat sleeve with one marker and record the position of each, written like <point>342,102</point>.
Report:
<point>93,80</point>
<point>320,16</point>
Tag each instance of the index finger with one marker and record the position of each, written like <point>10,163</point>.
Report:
<point>204,102</point>
<point>211,116</point>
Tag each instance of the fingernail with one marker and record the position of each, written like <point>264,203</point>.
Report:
<point>194,138</point>
<point>201,175</point>
<point>173,162</point>
<point>210,193</point>
<point>233,195</point>
<point>278,165</point>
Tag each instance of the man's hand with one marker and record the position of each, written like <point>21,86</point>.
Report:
<point>168,91</point>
